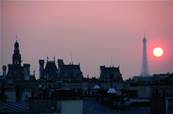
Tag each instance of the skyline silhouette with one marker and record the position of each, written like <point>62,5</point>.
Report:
<point>92,33</point>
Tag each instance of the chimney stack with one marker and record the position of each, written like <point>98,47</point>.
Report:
<point>60,63</point>
<point>41,69</point>
<point>4,69</point>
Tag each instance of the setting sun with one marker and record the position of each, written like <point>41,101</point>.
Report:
<point>157,52</point>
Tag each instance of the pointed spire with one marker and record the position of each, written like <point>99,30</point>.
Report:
<point>16,37</point>
<point>144,35</point>
<point>145,69</point>
<point>16,45</point>
<point>144,39</point>
<point>16,58</point>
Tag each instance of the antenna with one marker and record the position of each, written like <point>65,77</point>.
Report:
<point>34,72</point>
<point>47,59</point>
<point>54,58</point>
<point>111,61</point>
<point>16,37</point>
<point>71,58</point>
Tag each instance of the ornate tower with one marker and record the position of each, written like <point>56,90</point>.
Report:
<point>145,70</point>
<point>16,55</point>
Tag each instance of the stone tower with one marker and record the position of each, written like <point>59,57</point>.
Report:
<point>16,55</point>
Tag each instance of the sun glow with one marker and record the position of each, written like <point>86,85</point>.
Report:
<point>158,52</point>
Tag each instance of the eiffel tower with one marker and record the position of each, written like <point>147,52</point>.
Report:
<point>145,69</point>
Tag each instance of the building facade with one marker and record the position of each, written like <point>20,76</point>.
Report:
<point>110,73</point>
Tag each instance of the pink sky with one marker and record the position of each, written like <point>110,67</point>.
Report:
<point>0,33</point>
<point>93,33</point>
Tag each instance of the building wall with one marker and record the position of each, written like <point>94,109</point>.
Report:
<point>144,91</point>
<point>11,95</point>
<point>72,107</point>
<point>169,105</point>
<point>26,94</point>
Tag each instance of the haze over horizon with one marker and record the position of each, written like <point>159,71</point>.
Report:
<point>92,33</point>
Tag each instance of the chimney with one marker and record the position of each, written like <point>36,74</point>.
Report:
<point>41,68</point>
<point>60,63</point>
<point>4,69</point>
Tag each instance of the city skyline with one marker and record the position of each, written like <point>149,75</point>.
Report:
<point>89,33</point>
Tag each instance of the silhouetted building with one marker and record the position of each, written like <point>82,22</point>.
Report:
<point>63,90</point>
<point>69,71</point>
<point>16,71</point>
<point>51,71</point>
<point>110,73</point>
<point>63,72</point>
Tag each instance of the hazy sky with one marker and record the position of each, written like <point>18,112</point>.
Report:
<point>0,34</point>
<point>92,33</point>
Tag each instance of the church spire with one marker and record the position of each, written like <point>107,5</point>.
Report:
<point>16,55</point>
<point>16,37</point>
<point>144,35</point>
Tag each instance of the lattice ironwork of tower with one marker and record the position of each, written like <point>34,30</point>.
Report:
<point>145,69</point>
